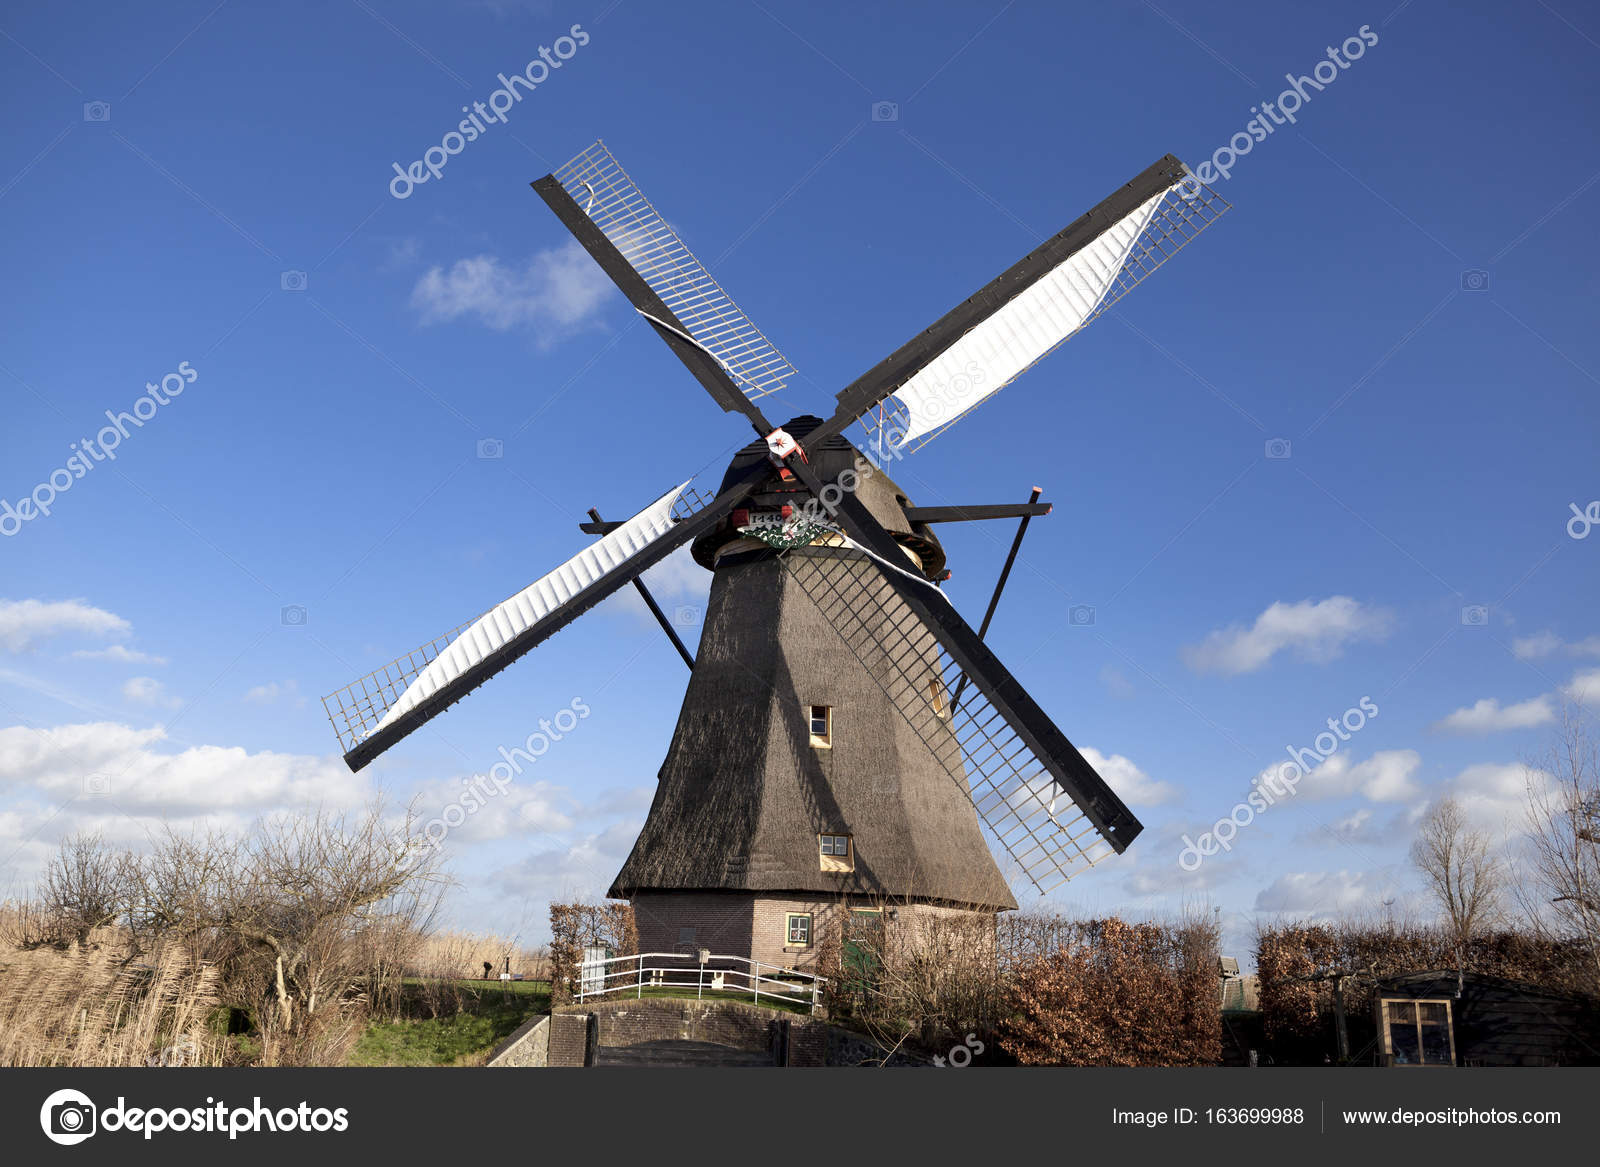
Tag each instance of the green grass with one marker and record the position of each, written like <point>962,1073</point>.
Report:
<point>489,1014</point>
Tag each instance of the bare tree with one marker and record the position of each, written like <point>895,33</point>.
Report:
<point>1564,836</point>
<point>85,887</point>
<point>1464,875</point>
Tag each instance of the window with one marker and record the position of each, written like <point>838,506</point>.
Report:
<point>799,929</point>
<point>821,719</point>
<point>936,694</point>
<point>836,854</point>
<point>1417,1033</point>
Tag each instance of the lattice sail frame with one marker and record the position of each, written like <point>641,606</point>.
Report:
<point>598,184</point>
<point>1176,217</point>
<point>1035,822</point>
<point>362,707</point>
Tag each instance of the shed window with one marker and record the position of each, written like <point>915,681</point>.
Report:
<point>799,928</point>
<point>1417,1033</point>
<point>821,722</point>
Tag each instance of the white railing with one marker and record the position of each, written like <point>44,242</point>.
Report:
<point>596,978</point>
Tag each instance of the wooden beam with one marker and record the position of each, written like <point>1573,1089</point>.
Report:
<point>1031,509</point>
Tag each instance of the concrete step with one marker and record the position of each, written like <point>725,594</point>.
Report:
<point>679,1054</point>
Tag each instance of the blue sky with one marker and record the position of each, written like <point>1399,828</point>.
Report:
<point>1438,421</point>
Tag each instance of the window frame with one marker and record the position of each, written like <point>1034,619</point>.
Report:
<point>824,740</point>
<point>1388,1014</point>
<point>788,929</point>
<point>830,858</point>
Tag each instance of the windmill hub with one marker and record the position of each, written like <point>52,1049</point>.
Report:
<point>837,463</point>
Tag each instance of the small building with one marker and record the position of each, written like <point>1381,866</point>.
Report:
<point>1440,1018</point>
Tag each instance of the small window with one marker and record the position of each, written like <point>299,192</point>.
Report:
<point>799,929</point>
<point>836,853</point>
<point>821,719</point>
<point>1417,1033</point>
<point>936,694</point>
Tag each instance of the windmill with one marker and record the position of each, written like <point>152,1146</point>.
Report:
<point>845,731</point>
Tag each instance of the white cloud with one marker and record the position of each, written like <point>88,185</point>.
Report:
<point>579,870</point>
<point>1493,796</point>
<point>149,691</point>
<point>1315,630</point>
<point>1115,682</point>
<point>1584,688</point>
<point>24,623</point>
<point>1543,644</point>
<point>1387,776</point>
<point>274,691</point>
<point>1323,892</point>
<point>1489,716</point>
<point>141,779</point>
<point>121,654</point>
<point>522,808</point>
<point>556,292</point>
<point>1132,784</point>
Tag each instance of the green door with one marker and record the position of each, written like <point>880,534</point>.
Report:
<point>863,934</point>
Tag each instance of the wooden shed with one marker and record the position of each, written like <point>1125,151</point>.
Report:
<point>1437,1018</point>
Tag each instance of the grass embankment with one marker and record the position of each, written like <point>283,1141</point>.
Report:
<point>490,1011</point>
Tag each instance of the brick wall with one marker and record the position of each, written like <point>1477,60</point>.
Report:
<point>756,926</point>
<point>569,1039</point>
<point>721,922</point>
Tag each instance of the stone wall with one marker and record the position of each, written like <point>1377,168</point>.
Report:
<point>528,1046</point>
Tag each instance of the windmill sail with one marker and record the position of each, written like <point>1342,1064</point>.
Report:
<point>1049,295</point>
<point>677,294</point>
<point>373,713</point>
<point>1042,802</point>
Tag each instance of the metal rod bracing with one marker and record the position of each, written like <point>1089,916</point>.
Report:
<point>999,586</point>
<point>655,608</point>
